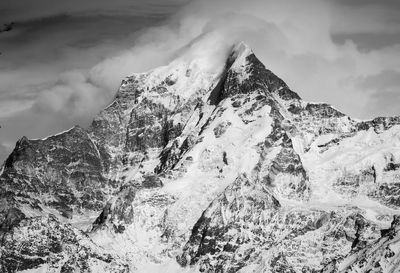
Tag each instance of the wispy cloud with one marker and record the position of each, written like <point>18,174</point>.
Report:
<point>59,70</point>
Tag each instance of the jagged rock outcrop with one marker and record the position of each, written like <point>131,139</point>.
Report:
<point>46,244</point>
<point>64,172</point>
<point>221,171</point>
<point>380,256</point>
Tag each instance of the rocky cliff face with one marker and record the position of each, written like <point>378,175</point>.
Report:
<point>189,170</point>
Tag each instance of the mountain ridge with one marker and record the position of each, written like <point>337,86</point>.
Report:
<point>223,172</point>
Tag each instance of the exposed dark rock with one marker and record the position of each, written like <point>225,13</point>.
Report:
<point>62,166</point>
<point>378,256</point>
<point>322,110</point>
<point>391,166</point>
<point>152,181</point>
<point>379,124</point>
<point>44,240</point>
<point>387,193</point>
<point>210,238</point>
<point>150,127</point>
<point>221,128</point>
<point>153,134</point>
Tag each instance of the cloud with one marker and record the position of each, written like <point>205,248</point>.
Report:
<point>384,91</point>
<point>4,151</point>
<point>48,79</point>
<point>294,40</point>
<point>69,82</point>
<point>26,10</point>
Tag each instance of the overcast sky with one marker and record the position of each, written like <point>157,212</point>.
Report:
<point>63,60</point>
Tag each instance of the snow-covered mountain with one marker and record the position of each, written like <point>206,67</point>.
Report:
<point>194,170</point>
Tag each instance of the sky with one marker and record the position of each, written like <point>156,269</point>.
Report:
<point>63,61</point>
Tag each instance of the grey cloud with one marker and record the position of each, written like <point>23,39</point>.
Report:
<point>25,10</point>
<point>46,84</point>
<point>385,102</point>
<point>389,4</point>
<point>384,80</point>
<point>68,81</point>
<point>4,151</point>
<point>384,91</point>
<point>368,41</point>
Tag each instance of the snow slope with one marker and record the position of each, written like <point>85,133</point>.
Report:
<point>192,169</point>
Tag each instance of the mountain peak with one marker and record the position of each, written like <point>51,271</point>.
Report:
<point>239,54</point>
<point>241,50</point>
<point>245,73</point>
<point>210,167</point>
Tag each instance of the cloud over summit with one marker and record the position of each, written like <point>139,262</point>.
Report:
<point>55,76</point>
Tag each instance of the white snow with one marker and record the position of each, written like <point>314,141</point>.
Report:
<point>58,134</point>
<point>215,161</point>
<point>240,66</point>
